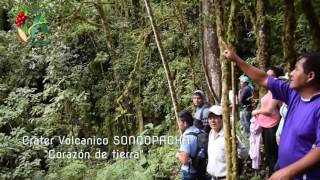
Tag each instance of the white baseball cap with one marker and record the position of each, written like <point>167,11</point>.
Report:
<point>216,109</point>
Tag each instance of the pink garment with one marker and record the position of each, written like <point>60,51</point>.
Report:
<point>255,138</point>
<point>268,121</point>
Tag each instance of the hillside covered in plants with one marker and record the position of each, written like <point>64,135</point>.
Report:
<point>96,72</point>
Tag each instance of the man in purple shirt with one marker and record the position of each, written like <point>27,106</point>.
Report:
<point>299,151</point>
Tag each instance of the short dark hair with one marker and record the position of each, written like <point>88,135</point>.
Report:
<point>277,71</point>
<point>185,116</point>
<point>197,94</point>
<point>312,64</point>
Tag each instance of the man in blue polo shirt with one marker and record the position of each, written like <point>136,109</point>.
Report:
<point>299,149</point>
<point>188,147</point>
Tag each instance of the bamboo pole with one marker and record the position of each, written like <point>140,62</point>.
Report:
<point>225,80</point>
<point>164,62</point>
<point>232,41</point>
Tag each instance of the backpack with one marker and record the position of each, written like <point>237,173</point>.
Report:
<point>200,160</point>
<point>199,122</point>
<point>201,113</point>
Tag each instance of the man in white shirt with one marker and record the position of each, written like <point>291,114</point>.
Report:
<point>216,167</point>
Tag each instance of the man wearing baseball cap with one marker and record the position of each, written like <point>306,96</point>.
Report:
<point>216,167</point>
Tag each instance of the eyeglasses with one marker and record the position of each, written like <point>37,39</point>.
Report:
<point>214,118</point>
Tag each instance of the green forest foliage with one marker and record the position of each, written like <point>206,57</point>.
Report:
<point>96,69</point>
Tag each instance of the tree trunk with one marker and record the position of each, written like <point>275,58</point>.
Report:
<point>178,13</point>
<point>210,53</point>
<point>133,90</point>
<point>139,112</point>
<point>164,62</point>
<point>312,17</point>
<point>2,19</point>
<point>288,40</point>
<point>104,20</point>
<point>136,18</point>
<point>137,99</point>
<point>231,34</point>
<point>136,12</point>
<point>225,80</point>
<point>262,36</point>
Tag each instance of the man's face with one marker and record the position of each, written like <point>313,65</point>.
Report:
<point>215,122</point>
<point>183,125</point>
<point>271,73</point>
<point>242,83</point>
<point>197,100</point>
<point>298,79</point>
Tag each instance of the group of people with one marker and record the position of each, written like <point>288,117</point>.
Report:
<point>263,121</point>
<point>208,120</point>
<point>292,147</point>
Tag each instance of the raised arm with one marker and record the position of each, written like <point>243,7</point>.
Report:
<point>256,75</point>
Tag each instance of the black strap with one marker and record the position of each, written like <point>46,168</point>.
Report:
<point>196,135</point>
<point>193,133</point>
<point>218,177</point>
<point>201,113</point>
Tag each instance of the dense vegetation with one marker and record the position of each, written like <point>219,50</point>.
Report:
<point>101,75</point>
